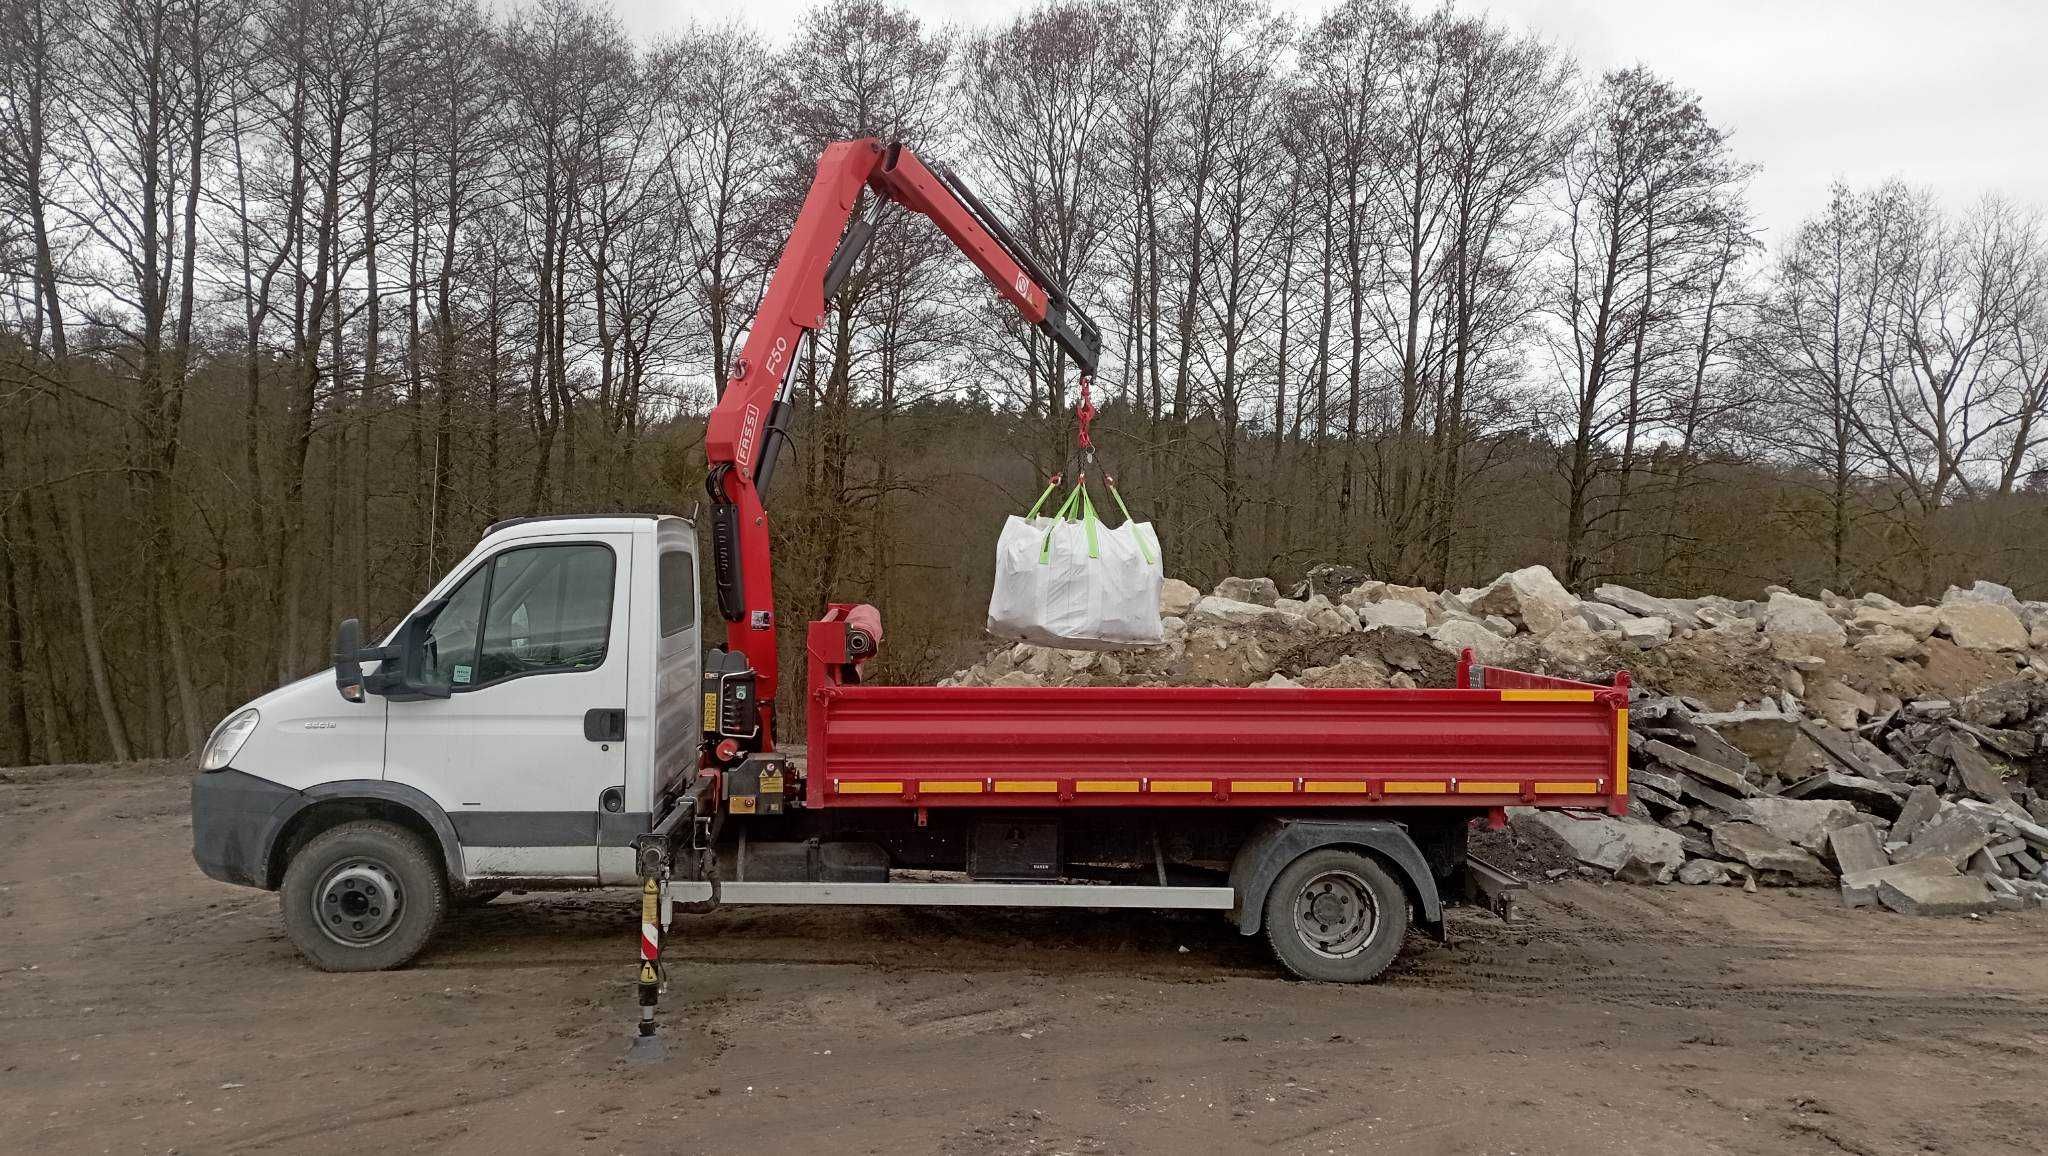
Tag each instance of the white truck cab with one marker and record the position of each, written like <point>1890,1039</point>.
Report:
<point>524,719</point>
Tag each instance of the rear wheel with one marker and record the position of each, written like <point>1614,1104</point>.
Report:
<point>364,896</point>
<point>1336,916</point>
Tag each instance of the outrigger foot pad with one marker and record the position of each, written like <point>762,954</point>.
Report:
<point>647,1050</point>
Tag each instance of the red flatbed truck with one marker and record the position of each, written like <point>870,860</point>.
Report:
<point>561,657</point>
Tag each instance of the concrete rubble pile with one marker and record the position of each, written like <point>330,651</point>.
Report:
<point>1897,753</point>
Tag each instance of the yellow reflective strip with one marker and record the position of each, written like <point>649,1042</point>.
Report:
<point>1026,787</point>
<point>1262,786</point>
<point>1546,696</point>
<point>1409,788</point>
<point>870,788</point>
<point>1106,786</point>
<point>949,787</point>
<point>1487,787</point>
<point>1337,787</point>
<point>1567,788</point>
<point>1621,750</point>
<point>1182,786</point>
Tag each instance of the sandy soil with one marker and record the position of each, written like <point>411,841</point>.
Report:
<point>145,1008</point>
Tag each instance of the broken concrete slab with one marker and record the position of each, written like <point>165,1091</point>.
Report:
<point>1607,842</point>
<point>1176,598</point>
<point>1713,797</point>
<point>1860,888</point>
<point>1681,611</point>
<point>1804,823</point>
<point>1925,895</point>
<point>1644,633</point>
<point>1531,595</point>
<point>1655,780</point>
<point>1788,618</point>
<point>1979,777</point>
<point>1701,768</point>
<point>1703,872</point>
<point>1454,636</point>
<point>1954,836</point>
<point>1757,847</point>
<point>1922,803</point>
<point>1842,705</point>
<point>1772,740</point>
<point>1975,625</point>
<point>1875,796</point>
<point>1401,615</point>
<point>1856,848</point>
<point>1261,591</point>
<point>1856,754</point>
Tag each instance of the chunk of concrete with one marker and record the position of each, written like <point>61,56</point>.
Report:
<point>1976,625</point>
<point>1532,595</point>
<point>1873,795</point>
<point>1856,848</point>
<point>1455,635</point>
<point>1790,618</point>
<point>1645,633</point>
<point>1176,597</point>
<point>1952,836</point>
<point>1773,740</point>
<point>1921,804</point>
<point>1979,776</point>
<point>1860,889</point>
<point>1935,895</point>
<point>1802,822</point>
<point>1692,764</point>
<point>1702,872</point>
<point>1261,591</point>
<point>1609,843</point>
<point>1755,846</point>
<point>1916,621</point>
<point>1842,705</point>
<point>1678,610</point>
<point>1400,615</point>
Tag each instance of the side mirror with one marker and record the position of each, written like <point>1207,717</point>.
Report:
<point>348,659</point>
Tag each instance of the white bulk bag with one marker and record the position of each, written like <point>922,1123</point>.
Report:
<point>1072,582</point>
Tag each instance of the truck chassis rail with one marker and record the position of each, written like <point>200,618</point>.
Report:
<point>963,895</point>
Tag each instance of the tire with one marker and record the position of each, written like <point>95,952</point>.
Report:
<point>339,892</point>
<point>1336,916</point>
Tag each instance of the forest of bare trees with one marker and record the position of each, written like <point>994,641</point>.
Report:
<point>296,298</point>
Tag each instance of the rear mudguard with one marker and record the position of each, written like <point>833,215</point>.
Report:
<point>1281,841</point>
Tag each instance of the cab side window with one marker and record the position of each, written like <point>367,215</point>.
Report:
<point>678,576</point>
<point>548,608</point>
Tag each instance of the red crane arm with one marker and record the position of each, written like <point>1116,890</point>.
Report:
<point>747,426</point>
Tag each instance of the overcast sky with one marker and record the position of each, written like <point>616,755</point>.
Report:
<point>1952,94</point>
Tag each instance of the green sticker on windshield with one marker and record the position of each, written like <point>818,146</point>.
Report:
<point>461,676</point>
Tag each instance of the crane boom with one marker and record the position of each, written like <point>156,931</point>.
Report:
<point>749,423</point>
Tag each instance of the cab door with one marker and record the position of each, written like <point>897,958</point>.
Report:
<point>532,645</point>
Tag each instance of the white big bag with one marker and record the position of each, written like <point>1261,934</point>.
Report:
<point>1072,582</point>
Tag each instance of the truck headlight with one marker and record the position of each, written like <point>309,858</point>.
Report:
<point>227,742</point>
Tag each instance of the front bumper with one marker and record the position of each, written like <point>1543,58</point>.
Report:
<point>235,821</point>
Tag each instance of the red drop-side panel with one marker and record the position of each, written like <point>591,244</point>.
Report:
<point>1208,746</point>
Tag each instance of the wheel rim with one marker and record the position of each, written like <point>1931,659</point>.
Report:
<point>1335,914</point>
<point>358,902</point>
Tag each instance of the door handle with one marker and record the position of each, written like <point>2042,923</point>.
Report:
<point>605,724</point>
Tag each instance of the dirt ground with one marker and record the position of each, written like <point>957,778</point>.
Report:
<point>144,1008</point>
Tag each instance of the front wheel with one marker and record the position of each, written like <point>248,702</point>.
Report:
<point>364,896</point>
<point>1336,916</point>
